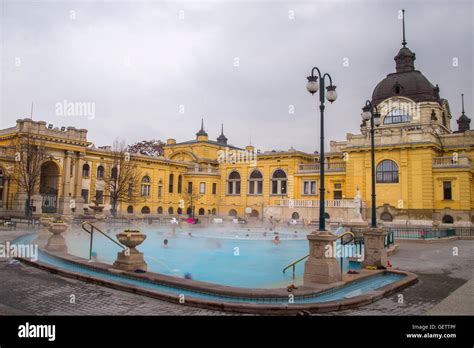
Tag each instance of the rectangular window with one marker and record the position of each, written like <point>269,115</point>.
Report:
<point>85,195</point>
<point>99,196</point>
<point>251,187</point>
<point>190,187</point>
<point>214,188</point>
<point>202,187</point>
<point>237,187</point>
<point>337,186</point>
<point>309,187</point>
<point>447,190</point>
<point>160,188</point>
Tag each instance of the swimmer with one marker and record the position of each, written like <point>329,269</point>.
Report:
<point>165,243</point>
<point>187,276</point>
<point>277,240</point>
<point>190,234</point>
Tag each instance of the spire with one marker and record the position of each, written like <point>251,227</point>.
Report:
<point>222,138</point>
<point>201,132</point>
<point>463,121</point>
<point>404,42</point>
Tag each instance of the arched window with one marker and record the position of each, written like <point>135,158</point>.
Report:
<point>256,183</point>
<point>448,219</point>
<point>189,211</point>
<point>233,212</point>
<point>214,211</point>
<point>201,211</point>
<point>86,169</point>
<point>170,190</point>
<point>179,211</point>
<point>279,182</point>
<point>114,173</point>
<point>396,116</point>
<point>145,210</point>
<point>233,183</point>
<point>170,210</point>
<point>180,183</point>
<point>146,186</point>
<point>130,209</point>
<point>254,213</point>
<point>387,172</point>
<point>160,210</point>
<point>295,215</point>
<point>100,172</point>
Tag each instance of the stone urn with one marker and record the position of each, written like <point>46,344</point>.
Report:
<point>56,242</point>
<point>45,221</point>
<point>130,259</point>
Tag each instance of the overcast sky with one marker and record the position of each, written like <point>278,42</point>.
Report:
<point>153,69</point>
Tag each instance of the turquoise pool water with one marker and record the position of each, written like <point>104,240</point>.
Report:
<point>239,257</point>
<point>348,291</point>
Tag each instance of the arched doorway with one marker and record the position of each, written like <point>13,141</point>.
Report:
<point>233,212</point>
<point>448,219</point>
<point>49,184</point>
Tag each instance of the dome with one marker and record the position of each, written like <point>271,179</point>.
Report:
<point>406,81</point>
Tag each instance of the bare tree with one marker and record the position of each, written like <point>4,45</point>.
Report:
<point>123,182</point>
<point>190,198</point>
<point>148,147</point>
<point>29,154</point>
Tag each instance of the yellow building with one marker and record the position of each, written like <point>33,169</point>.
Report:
<point>423,168</point>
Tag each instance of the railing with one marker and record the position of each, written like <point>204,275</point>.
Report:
<point>343,242</point>
<point>91,232</point>
<point>328,167</point>
<point>452,162</point>
<point>314,203</point>
<point>422,233</point>
<point>203,170</point>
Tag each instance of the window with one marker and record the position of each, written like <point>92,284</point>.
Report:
<point>189,211</point>
<point>309,187</point>
<point>160,210</point>
<point>396,116</point>
<point>86,170</point>
<point>180,183</point>
<point>179,211</point>
<point>130,189</point>
<point>146,186</point>
<point>71,169</point>
<point>202,187</point>
<point>190,187</point>
<point>447,219</point>
<point>214,188</point>
<point>233,212</point>
<point>233,183</point>
<point>145,210</point>
<point>114,173</point>
<point>170,210</point>
<point>256,183</point>
<point>100,172</point>
<point>85,195</point>
<point>99,196</point>
<point>279,182</point>
<point>160,191</point>
<point>295,215</point>
<point>201,211</point>
<point>387,172</point>
<point>130,209</point>
<point>170,188</point>
<point>337,191</point>
<point>447,190</point>
<point>214,211</point>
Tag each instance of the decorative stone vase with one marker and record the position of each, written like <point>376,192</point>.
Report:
<point>130,259</point>
<point>56,242</point>
<point>374,247</point>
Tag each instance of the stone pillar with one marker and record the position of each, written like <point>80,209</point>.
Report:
<point>374,247</point>
<point>322,266</point>
<point>66,196</point>
<point>78,184</point>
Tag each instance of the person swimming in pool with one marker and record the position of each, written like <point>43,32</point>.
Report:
<point>165,243</point>
<point>277,240</point>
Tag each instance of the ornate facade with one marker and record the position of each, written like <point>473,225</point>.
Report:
<point>423,168</point>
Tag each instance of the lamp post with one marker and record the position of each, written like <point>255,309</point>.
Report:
<point>370,112</point>
<point>313,86</point>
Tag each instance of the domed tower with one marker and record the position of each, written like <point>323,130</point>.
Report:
<point>464,122</point>
<point>202,135</point>
<point>222,139</point>
<point>407,99</point>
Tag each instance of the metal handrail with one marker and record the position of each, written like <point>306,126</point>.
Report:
<point>294,263</point>
<point>91,232</point>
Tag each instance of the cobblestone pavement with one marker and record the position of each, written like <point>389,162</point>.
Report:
<point>29,290</point>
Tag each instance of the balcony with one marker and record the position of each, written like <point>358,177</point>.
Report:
<point>452,162</point>
<point>313,203</point>
<point>202,171</point>
<point>328,167</point>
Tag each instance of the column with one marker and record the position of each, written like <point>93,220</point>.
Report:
<point>374,247</point>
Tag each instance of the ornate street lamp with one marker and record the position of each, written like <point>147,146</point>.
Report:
<point>330,94</point>
<point>369,112</point>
